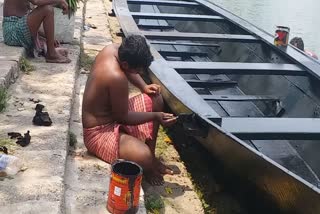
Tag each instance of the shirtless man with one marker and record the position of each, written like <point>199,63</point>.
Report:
<point>21,26</point>
<point>116,126</point>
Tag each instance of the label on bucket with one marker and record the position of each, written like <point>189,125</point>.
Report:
<point>117,191</point>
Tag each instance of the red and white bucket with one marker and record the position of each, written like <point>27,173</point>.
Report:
<point>124,188</point>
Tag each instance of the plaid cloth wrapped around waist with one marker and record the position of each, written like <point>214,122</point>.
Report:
<point>16,32</point>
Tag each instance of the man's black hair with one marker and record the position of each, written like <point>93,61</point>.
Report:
<point>298,42</point>
<point>135,51</point>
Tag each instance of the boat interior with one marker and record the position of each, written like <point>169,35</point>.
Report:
<point>263,96</point>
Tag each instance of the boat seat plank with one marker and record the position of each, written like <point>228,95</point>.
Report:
<point>200,36</point>
<point>180,17</point>
<point>159,27</point>
<point>185,43</point>
<point>210,83</point>
<point>182,53</point>
<point>236,68</point>
<point>273,128</point>
<point>240,98</point>
<point>164,3</point>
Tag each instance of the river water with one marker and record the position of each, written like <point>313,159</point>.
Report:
<point>302,16</point>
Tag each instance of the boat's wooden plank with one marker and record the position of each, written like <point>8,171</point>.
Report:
<point>273,128</point>
<point>185,43</point>
<point>164,3</point>
<point>159,27</point>
<point>240,97</point>
<point>210,83</point>
<point>236,68</point>
<point>199,36</point>
<point>182,53</point>
<point>180,17</point>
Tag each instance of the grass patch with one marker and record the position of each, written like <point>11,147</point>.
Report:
<point>154,204</point>
<point>162,145</point>
<point>3,99</point>
<point>87,60</point>
<point>9,143</point>
<point>72,139</point>
<point>25,66</point>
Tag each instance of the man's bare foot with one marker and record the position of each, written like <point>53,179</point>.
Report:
<point>163,169</point>
<point>57,59</point>
<point>63,51</point>
<point>154,178</point>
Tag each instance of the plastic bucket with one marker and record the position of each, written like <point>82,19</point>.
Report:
<point>124,188</point>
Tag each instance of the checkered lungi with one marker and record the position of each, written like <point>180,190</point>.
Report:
<point>16,32</point>
<point>103,141</point>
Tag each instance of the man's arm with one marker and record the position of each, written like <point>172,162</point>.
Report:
<point>118,91</point>
<point>137,81</point>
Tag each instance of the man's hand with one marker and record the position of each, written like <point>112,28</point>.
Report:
<point>166,119</point>
<point>152,89</point>
<point>64,6</point>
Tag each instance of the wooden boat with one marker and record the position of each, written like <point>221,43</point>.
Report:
<point>256,106</point>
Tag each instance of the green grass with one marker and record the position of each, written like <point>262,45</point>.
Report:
<point>162,146</point>
<point>72,139</point>
<point>9,143</point>
<point>87,59</point>
<point>25,66</point>
<point>3,99</point>
<point>154,204</point>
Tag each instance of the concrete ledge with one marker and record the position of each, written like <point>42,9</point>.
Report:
<point>9,59</point>
<point>22,189</point>
<point>9,72</point>
<point>32,206</point>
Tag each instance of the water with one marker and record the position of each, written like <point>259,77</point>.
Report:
<point>303,17</point>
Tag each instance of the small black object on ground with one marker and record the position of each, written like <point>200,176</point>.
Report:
<point>4,149</point>
<point>14,135</point>
<point>24,141</point>
<point>41,118</point>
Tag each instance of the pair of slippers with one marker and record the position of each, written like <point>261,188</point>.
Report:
<point>40,119</point>
<point>21,140</point>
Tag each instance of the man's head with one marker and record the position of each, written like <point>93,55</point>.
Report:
<point>297,42</point>
<point>134,54</point>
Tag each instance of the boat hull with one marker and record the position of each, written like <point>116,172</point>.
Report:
<point>275,184</point>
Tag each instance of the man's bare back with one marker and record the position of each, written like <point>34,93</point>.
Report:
<point>113,128</point>
<point>96,109</point>
<point>15,7</point>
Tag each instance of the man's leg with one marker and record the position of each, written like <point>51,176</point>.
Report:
<point>132,149</point>
<point>35,18</point>
<point>157,106</point>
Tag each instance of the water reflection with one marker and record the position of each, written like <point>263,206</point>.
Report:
<point>303,17</point>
